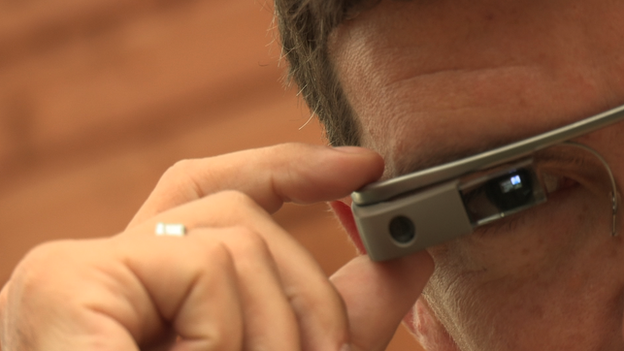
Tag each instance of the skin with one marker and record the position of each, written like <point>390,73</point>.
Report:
<point>432,81</point>
<point>237,281</point>
<point>467,76</point>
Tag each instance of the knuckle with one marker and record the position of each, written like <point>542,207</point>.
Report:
<point>232,244</point>
<point>215,255</point>
<point>34,274</point>
<point>238,246</point>
<point>249,250</point>
<point>236,197</point>
<point>181,167</point>
<point>323,295</point>
<point>181,175</point>
<point>238,204</point>
<point>218,337</point>
<point>249,243</point>
<point>42,256</point>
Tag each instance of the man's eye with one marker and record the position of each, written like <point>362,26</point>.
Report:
<point>553,182</point>
<point>512,192</point>
<point>502,195</point>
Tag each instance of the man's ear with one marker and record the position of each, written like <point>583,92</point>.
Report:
<point>345,216</point>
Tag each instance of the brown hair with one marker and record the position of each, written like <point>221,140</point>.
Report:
<point>304,27</point>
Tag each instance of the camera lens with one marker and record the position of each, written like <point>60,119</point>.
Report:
<point>402,229</point>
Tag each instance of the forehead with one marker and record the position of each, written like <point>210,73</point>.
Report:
<point>432,81</point>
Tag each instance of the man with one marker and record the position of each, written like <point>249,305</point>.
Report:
<point>421,83</point>
<point>430,82</point>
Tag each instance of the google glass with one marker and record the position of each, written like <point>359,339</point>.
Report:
<point>409,213</point>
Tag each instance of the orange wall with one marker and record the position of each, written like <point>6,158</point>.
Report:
<point>99,97</point>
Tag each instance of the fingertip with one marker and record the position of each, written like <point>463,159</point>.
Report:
<point>359,165</point>
<point>382,292</point>
<point>309,173</point>
<point>418,267</point>
<point>420,259</point>
<point>408,274</point>
<point>411,273</point>
<point>372,158</point>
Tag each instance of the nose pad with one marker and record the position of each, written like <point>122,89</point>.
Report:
<point>615,200</point>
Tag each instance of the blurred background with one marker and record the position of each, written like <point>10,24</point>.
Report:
<point>98,98</point>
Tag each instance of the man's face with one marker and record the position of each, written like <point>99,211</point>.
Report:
<point>433,81</point>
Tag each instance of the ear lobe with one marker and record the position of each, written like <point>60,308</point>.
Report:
<point>427,328</point>
<point>345,216</point>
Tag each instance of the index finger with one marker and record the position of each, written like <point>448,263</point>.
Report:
<point>273,175</point>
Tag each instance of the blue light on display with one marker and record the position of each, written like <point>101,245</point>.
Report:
<point>515,180</point>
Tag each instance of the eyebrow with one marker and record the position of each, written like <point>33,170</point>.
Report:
<point>447,154</point>
<point>380,191</point>
<point>452,154</point>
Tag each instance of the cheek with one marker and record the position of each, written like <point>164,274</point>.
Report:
<point>555,276</point>
<point>535,243</point>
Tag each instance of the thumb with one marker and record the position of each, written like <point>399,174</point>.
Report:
<point>378,295</point>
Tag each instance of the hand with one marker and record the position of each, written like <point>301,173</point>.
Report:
<point>236,282</point>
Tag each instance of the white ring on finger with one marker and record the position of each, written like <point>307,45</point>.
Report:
<point>170,229</point>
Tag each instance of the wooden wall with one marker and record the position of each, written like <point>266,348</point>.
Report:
<point>99,97</point>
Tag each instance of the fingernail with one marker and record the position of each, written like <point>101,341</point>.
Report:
<point>345,347</point>
<point>352,149</point>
